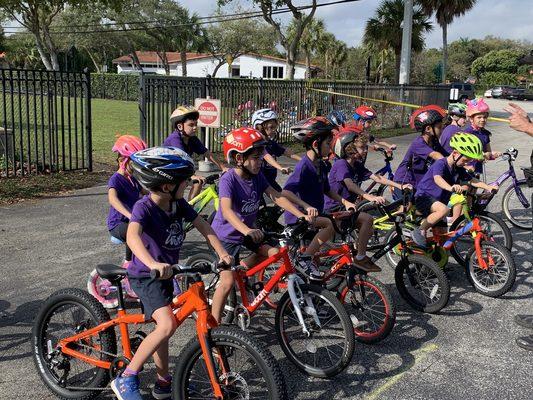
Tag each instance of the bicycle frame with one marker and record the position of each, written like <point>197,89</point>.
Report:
<point>387,169</point>
<point>184,305</point>
<point>204,198</point>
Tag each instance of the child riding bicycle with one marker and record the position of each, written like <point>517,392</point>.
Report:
<point>457,117</point>
<point>184,122</point>
<point>364,117</point>
<point>442,179</point>
<point>155,236</point>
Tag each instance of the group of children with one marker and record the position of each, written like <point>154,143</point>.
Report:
<point>148,208</point>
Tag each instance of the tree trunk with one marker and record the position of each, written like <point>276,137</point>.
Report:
<point>308,64</point>
<point>382,67</point>
<point>40,48</point>
<point>229,61</point>
<point>217,67</point>
<point>52,51</point>
<point>291,61</point>
<point>326,61</point>
<point>397,57</point>
<point>95,63</point>
<point>444,51</point>
<point>183,58</point>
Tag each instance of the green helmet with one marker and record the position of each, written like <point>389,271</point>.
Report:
<point>457,109</point>
<point>468,145</point>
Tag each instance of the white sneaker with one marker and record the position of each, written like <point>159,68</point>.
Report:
<point>418,238</point>
<point>307,266</point>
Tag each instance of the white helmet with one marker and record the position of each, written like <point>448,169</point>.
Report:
<point>263,115</point>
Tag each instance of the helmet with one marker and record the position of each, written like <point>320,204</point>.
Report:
<point>476,106</point>
<point>351,127</point>
<point>156,166</point>
<point>182,113</point>
<point>468,145</point>
<point>263,115</point>
<point>241,140</point>
<point>364,113</point>
<point>426,116</point>
<point>340,141</point>
<point>337,118</point>
<point>457,109</point>
<point>310,129</point>
<point>126,145</point>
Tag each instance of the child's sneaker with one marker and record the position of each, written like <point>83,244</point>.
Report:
<point>366,264</point>
<point>418,237</point>
<point>306,265</point>
<point>126,388</point>
<point>162,390</point>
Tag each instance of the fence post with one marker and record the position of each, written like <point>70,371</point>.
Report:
<point>142,107</point>
<point>88,120</point>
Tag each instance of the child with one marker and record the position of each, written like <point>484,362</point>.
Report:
<point>240,191</point>
<point>364,117</point>
<point>441,180</point>
<point>457,115</point>
<point>344,179</point>
<point>155,236</point>
<point>424,149</point>
<point>309,181</point>
<point>477,112</point>
<point>123,190</point>
<point>266,122</point>
<point>184,121</point>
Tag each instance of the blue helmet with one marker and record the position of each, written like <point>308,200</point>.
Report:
<point>157,166</point>
<point>337,118</point>
<point>364,113</point>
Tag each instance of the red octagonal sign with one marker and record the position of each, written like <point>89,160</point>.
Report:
<point>209,110</point>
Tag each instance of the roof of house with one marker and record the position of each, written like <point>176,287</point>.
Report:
<point>174,57</point>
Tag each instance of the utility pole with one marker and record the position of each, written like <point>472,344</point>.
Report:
<point>405,58</point>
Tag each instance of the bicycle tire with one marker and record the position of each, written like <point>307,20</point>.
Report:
<point>507,211</point>
<point>41,343</point>
<point>408,267</point>
<point>345,327</point>
<point>467,242</point>
<point>353,298</point>
<point>231,340</point>
<point>507,261</point>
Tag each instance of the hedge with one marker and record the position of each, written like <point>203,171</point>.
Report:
<point>115,86</point>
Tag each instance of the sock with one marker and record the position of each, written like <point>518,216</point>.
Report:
<point>129,372</point>
<point>164,381</point>
<point>359,257</point>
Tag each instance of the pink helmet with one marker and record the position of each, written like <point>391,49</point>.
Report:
<point>126,145</point>
<point>476,106</point>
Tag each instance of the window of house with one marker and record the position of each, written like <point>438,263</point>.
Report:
<point>235,72</point>
<point>273,72</point>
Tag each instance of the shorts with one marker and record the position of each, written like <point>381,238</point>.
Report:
<point>119,232</point>
<point>234,249</point>
<point>423,206</point>
<point>153,293</point>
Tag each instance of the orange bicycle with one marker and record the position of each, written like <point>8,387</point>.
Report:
<point>75,346</point>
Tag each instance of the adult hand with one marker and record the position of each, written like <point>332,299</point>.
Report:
<point>519,120</point>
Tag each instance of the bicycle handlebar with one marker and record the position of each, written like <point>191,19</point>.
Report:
<point>210,179</point>
<point>177,269</point>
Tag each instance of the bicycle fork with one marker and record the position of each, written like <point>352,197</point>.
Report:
<point>309,308</point>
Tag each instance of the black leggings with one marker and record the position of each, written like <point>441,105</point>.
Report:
<point>119,232</point>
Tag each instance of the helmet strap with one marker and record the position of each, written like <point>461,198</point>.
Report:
<point>456,160</point>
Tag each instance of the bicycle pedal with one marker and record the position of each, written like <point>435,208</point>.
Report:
<point>356,323</point>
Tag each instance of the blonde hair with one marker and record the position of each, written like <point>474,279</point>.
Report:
<point>360,140</point>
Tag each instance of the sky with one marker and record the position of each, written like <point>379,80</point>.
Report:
<point>508,19</point>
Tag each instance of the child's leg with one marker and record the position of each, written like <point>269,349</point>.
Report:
<point>195,190</point>
<point>324,235</point>
<point>438,212</point>
<point>225,284</point>
<point>456,211</point>
<point>165,327</point>
<point>365,224</point>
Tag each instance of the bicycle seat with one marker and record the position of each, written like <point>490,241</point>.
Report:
<point>111,272</point>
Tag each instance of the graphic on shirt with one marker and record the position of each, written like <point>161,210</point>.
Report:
<point>251,205</point>
<point>175,235</point>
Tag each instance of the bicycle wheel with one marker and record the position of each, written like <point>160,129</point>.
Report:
<point>211,283</point>
<point>245,369</point>
<point>66,313</point>
<point>422,284</point>
<point>329,347</point>
<point>513,208</point>
<point>371,308</point>
<point>500,275</point>
<point>493,226</point>
<point>102,290</point>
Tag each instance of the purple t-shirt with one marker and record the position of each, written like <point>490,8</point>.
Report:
<point>308,185</point>
<point>245,195</point>
<point>275,150</point>
<point>128,192</point>
<point>194,146</point>
<point>340,171</point>
<point>416,161</point>
<point>447,134</point>
<point>483,135</point>
<point>428,187</point>
<point>162,234</point>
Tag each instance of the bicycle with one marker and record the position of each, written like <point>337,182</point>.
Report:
<point>489,266</point>
<point>386,170</point>
<point>208,195</point>
<point>220,363</point>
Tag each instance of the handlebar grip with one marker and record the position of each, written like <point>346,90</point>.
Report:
<point>154,274</point>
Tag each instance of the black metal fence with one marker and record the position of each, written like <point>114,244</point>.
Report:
<point>293,100</point>
<point>45,119</point>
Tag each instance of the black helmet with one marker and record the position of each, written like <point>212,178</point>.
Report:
<point>426,116</point>
<point>157,166</point>
<point>311,129</point>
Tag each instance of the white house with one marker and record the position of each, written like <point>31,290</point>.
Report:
<point>201,65</point>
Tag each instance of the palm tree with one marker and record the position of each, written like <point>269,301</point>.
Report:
<point>192,37</point>
<point>385,29</point>
<point>445,11</point>
<point>312,39</point>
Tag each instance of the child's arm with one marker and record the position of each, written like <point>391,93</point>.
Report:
<point>205,229</point>
<point>112,196</point>
<point>230,216</point>
<point>491,155</point>
<point>382,143</point>
<point>354,188</point>
<point>439,180</point>
<point>286,204</point>
<point>384,181</point>
<point>135,243</point>
<point>335,196</point>
<point>272,161</point>
<point>218,163</point>
<point>436,155</point>
<point>291,154</point>
<point>482,185</point>
<point>312,211</point>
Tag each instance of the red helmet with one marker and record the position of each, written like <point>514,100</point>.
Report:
<point>241,140</point>
<point>365,113</point>
<point>341,140</point>
<point>126,145</point>
<point>311,129</point>
<point>425,116</point>
<point>351,127</point>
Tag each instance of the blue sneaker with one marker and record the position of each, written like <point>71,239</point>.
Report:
<point>161,392</point>
<point>126,388</point>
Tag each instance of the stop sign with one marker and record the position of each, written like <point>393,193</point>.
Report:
<point>209,110</point>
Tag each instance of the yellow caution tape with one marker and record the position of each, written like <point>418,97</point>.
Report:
<point>395,103</point>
